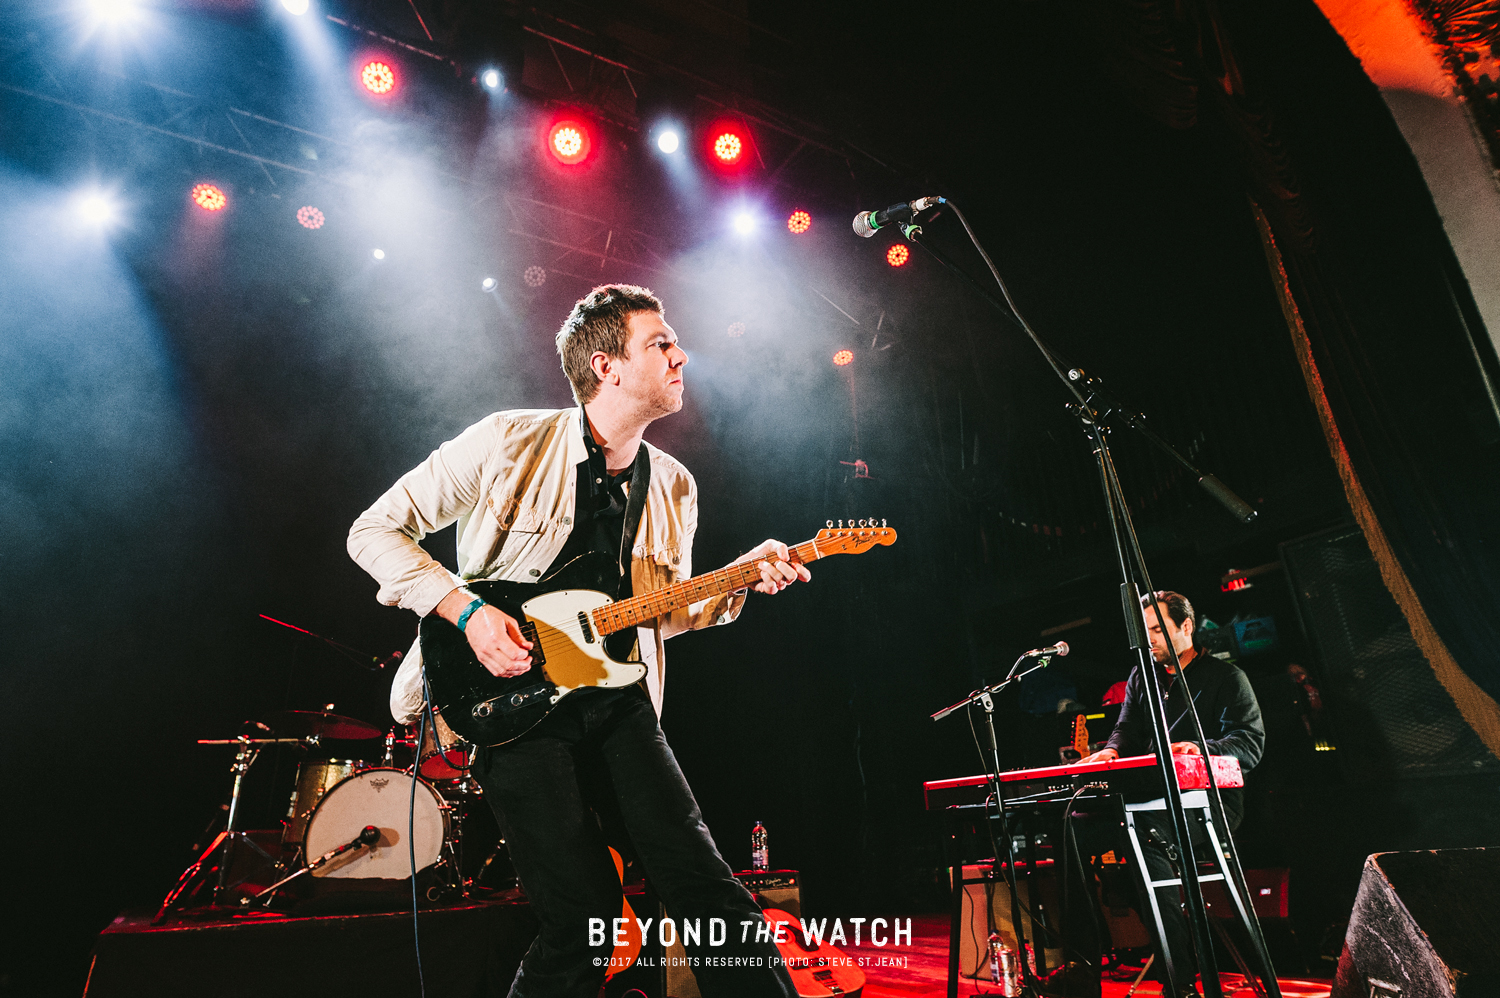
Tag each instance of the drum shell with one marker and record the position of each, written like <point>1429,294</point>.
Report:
<point>315,777</point>
<point>448,762</point>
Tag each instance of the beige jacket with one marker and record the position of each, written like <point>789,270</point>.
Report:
<point>510,482</point>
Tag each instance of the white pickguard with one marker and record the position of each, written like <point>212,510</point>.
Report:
<point>571,661</point>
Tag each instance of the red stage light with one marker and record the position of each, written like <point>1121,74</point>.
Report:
<point>728,147</point>
<point>569,142</point>
<point>309,217</point>
<point>897,255</point>
<point>843,358</point>
<point>378,77</point>
<point>208,197</point>
<point>799,222</point>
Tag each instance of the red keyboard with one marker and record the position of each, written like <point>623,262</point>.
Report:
<point>1134,775</point>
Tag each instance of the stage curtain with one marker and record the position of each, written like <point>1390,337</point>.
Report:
<point>1395,357</point>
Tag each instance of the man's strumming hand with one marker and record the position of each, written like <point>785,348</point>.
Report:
<point>493,634</point>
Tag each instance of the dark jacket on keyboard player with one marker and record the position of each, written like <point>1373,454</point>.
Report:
<point>1227,709</point>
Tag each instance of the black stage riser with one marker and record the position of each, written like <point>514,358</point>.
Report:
<point>471,951</point>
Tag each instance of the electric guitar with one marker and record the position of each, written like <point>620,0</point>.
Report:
<point>581,636</point>
<point>817,969</point>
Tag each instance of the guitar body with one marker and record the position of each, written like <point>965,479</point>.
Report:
<point>580,635</point>
<point>627,953</point>
<point>817,970</point>
<point>567,653</point>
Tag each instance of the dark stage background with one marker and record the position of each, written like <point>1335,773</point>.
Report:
<point>196,408</point>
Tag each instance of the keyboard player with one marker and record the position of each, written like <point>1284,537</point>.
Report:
<point>1232,725</point>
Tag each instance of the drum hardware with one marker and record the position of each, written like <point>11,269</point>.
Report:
<point>315,777</point>
<point>221,849</point>
<point>367,836</point>
<point>323,724</point>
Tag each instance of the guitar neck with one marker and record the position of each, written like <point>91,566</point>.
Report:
<point>639,609</point>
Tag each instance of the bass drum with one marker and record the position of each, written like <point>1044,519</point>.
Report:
<point>381,797</point>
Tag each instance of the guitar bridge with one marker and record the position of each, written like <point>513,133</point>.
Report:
<point>528,631</point>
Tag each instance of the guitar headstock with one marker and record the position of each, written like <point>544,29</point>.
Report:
<point>859,536</point>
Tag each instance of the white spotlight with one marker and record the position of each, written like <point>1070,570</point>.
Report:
<point>488,284</point>
<point>113,10</point>
<point>744,223</point>
<point>668,141</point>
<point>96,208</point>
<point>379,254</point>
<point>298,7</point>
<point>490,78</point>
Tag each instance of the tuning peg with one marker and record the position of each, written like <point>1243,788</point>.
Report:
<point>861,523</point>
<point>882,523</point>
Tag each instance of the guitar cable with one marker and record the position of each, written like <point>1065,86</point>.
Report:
<point>411,821</point>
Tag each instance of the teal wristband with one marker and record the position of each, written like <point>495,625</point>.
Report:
<point>463,618</point>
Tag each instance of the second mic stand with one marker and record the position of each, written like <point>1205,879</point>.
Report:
<point>985,698</point>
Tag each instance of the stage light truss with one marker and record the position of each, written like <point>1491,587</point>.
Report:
<point>578,245</point>
<point>284,154</point>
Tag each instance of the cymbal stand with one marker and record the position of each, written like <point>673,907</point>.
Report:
<point>221,850</point>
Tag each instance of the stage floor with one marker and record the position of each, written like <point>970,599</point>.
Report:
<point>925,972</point>
<point>468,949</point>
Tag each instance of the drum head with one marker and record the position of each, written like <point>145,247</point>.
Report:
<point>383,798</point>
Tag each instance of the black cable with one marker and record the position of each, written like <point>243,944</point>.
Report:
<point>1071,837</point>
<point>411,841</point>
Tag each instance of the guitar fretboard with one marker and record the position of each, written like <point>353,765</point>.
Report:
<point>639,609</point>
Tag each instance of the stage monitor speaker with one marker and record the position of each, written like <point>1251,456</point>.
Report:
<point>1390,714</point>
<point>771,889</point>
<point>992,894</point>
<point>1425,925</point>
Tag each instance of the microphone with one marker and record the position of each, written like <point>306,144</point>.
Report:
<point>867,222</point>
<point>1059,649</point>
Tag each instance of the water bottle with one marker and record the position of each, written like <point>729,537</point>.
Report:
<point>760,855</point>
<point>1004,969</point>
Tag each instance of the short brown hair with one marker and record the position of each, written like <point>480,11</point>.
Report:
<point>598,324</point>
<point>1177,607</point>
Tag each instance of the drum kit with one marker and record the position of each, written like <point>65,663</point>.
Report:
<point>348,819</point>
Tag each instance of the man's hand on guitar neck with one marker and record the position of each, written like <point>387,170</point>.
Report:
<point>492,633</point>
<point>777,570</point>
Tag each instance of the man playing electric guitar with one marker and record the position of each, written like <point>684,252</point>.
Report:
<point>534,491</point>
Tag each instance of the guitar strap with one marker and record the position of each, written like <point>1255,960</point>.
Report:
<point>635,505</point>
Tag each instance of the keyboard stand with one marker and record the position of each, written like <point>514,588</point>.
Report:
<point>1193,802</point>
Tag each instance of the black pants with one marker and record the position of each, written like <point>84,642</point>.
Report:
<point>539,787</point>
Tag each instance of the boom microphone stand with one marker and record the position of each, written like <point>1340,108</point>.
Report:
<point>1091,406</point>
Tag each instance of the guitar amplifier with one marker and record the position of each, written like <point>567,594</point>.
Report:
<point>986,907</point>
<point>770,888</point>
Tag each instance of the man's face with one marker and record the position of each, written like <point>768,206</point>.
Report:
<point>1180,638</point>
<point>651,372</point>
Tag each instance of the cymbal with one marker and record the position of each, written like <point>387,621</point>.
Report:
<point>323,724</point>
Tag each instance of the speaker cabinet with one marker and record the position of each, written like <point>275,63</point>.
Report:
<point>1424,924</point>
<point>986,905</point>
